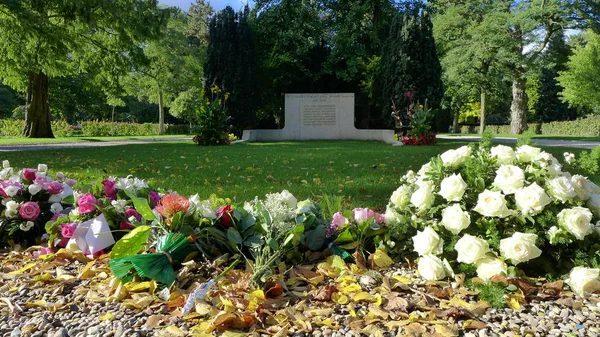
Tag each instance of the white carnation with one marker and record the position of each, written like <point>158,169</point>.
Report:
<point>509,178</point>
<point>577,221</point>
<point>492,204</point>
<point>471,249</point>
<point>453,187</point>
<point>454,219</point>
<point>561,189</point>
<point>520,247</point>
<point>584,281</point>
<point>428,242</point>
<point>505,155</point>
<point>431,268</point>
<point>531,199</point>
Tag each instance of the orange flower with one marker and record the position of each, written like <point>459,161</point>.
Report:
<point>172,203</point>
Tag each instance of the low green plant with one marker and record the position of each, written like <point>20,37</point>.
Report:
<point>421,120</point>
<point>212,119</point>
<point>493,293</point>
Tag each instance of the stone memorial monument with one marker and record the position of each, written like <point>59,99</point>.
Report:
<point>318,116</point>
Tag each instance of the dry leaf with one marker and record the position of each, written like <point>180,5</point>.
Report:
<point>474,324</point>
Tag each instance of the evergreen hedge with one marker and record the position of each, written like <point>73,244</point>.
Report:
<point>14,128</point>
<point>588,126</point>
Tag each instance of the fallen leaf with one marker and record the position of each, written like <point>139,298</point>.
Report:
<point>474,324</point>
<point>171,331</point>
<point>324,293</point>
<point>380,259</point>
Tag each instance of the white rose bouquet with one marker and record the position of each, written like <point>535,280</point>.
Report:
<point>489,211</point>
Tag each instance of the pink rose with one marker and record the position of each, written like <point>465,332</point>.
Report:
<point>67,230</point>
<point>71,182</point>
<point>41,180</point>
<point>29,211</point>
<point>55,187</point>
<point>29,174</point>
<point>87,203</point>
<point>380,218</point>
<point>46,250</point>
<point>130,212</point>
<point>109,189</point>
<point>362,214</point>
<point>154,197</point>
<point>338,221</point>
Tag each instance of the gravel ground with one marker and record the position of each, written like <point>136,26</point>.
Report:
<point>65,310</point>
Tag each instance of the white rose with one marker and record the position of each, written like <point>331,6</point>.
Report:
<point>531,199</point>
<point>561,188</point>
<point>471,249</point>
<point>455,158</point>
<point>119,205</point>
<point>552,234</point>
<point>487,267</point>
<point>526,153</point>
<point>504,155</point>
<point>582,187</point>
<point>304,206</point>
<point>26,226</point>
<point>509,178</point>
<point>423,198</point>
<point>577,221</point>
<point>401,196</point>
<point>584,281</point>
<point>34,189</point>
<point>11,209</point>
<point>289,199</point>
<point>56,208</point>
<point>428,242</point>
<point>42,168</point>
<point>492,204</point>
<point>424,170</point>
<point>593,203</point>
<point>6,173</point>
<point>453,187</point>
<point>454,219</point>
<point>11,190</point>
<point>569,157</point>
<point>520,247</point>
<point>202,207</point>
<point>5,164</point>
<point>392,217</point>
<point>431,268</point>
<point>409,177</point>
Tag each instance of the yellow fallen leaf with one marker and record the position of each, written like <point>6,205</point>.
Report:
<point>109,316</point>
<point>339,298</point>
<point>24,269</point>
<point>355,287</point>
<point>141,286</point>
<point>513,303</point>
<point>86,272</point>
<point>381,259</point>
<point>171,331</point>
<point>328,322</point>
<point>227,304</point>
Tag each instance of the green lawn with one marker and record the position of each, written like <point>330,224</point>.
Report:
<point>365,173</point>
<point>29,141</point>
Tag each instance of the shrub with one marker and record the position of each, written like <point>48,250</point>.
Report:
<point>212,120</point>
<point>588,126</point>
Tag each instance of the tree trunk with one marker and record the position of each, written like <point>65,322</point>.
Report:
<point>37,115</point>
<point>518,107</point>
<point>161,114</point>
<point>112,121</point>
<point>455,126</point>
<point>482,112</point>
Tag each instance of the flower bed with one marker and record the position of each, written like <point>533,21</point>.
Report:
<point>428,139</point>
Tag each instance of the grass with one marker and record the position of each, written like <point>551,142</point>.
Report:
<point>364,173</point>
<point>37,141</point>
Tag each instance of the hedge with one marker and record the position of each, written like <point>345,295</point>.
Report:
<point>588,126</point>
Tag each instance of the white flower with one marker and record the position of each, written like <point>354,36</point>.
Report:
<point>505,155</point>
<point>492,204</point>
<point>119,205</point>
<point>487,267</point>
<point>577,221</point>
<point>548,162</point>
<point>531,199</point>
<point>34,189</point>
<point>26,226</point>
<point>453,187</point>
<point>552,234</point>
<point>42,168</point>
<point>424,170</point>
<point>455,158</point>
<point>76,195</point>
<point>509,178</point>
<point>526,153</point>
<point>582,187</point>
<point>423,198</point>
<point>11,209</point>
<point>6,173</point>
<point>5,164</point>
<point>410,176</point>
<point>392,217</point>
<point>561,188</point>
<point>454,219</point>
<point>56,208</point>
<point>289,198</point>
<point>593,203</point>
<point>304,206</point>
<point>202,207</point>
<point>428,242</point>
<point>520,247</point>
<point>569,157</point>
<point>584,281</point>
<point>431,268</point>
<point>471,249</point>
<point>11,190</point>
<point>401,196</point>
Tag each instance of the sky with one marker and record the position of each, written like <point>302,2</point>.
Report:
<point>217,4</point>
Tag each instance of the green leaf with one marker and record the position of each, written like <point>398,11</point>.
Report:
<point>253,241</point>
<point>247,222</point>
<point>234,236</point>
<point>273,244</point>
<point>345,236</point>
<point>131,243</point>
<point>316,238</point>
<point>69,200</point>
<point>141,206</point>
<point>340,252</point>
<point>300,218</point>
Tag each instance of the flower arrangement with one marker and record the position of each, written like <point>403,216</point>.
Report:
<point>30,198</point>
<point>487,212</point>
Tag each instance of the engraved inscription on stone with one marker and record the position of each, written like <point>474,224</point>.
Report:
<point>318,115</point>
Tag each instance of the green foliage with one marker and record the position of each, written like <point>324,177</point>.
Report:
<point>588,164</point>
<point>582,77</point>
<point>131,243</point>
<point>525,138</point>
<point>487,139</point>
<point>212,119</point>
<point>421,120</point>
<point>493,293</point>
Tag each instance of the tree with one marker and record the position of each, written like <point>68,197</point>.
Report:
<point>231,64</point>
<point>43,39</point>
<point>170,67</point>
<point>581,79</point>
<point>410,62</point>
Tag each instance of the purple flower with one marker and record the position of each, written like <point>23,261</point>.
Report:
<point>109,189</point>
<point>71,182</point>
<point>338,221</point>
<point>55,187</point>
<point>154,197</point>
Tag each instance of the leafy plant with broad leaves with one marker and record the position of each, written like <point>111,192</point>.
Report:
<point>212,119</point>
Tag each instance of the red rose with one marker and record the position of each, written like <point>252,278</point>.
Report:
<point>225,213</point>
